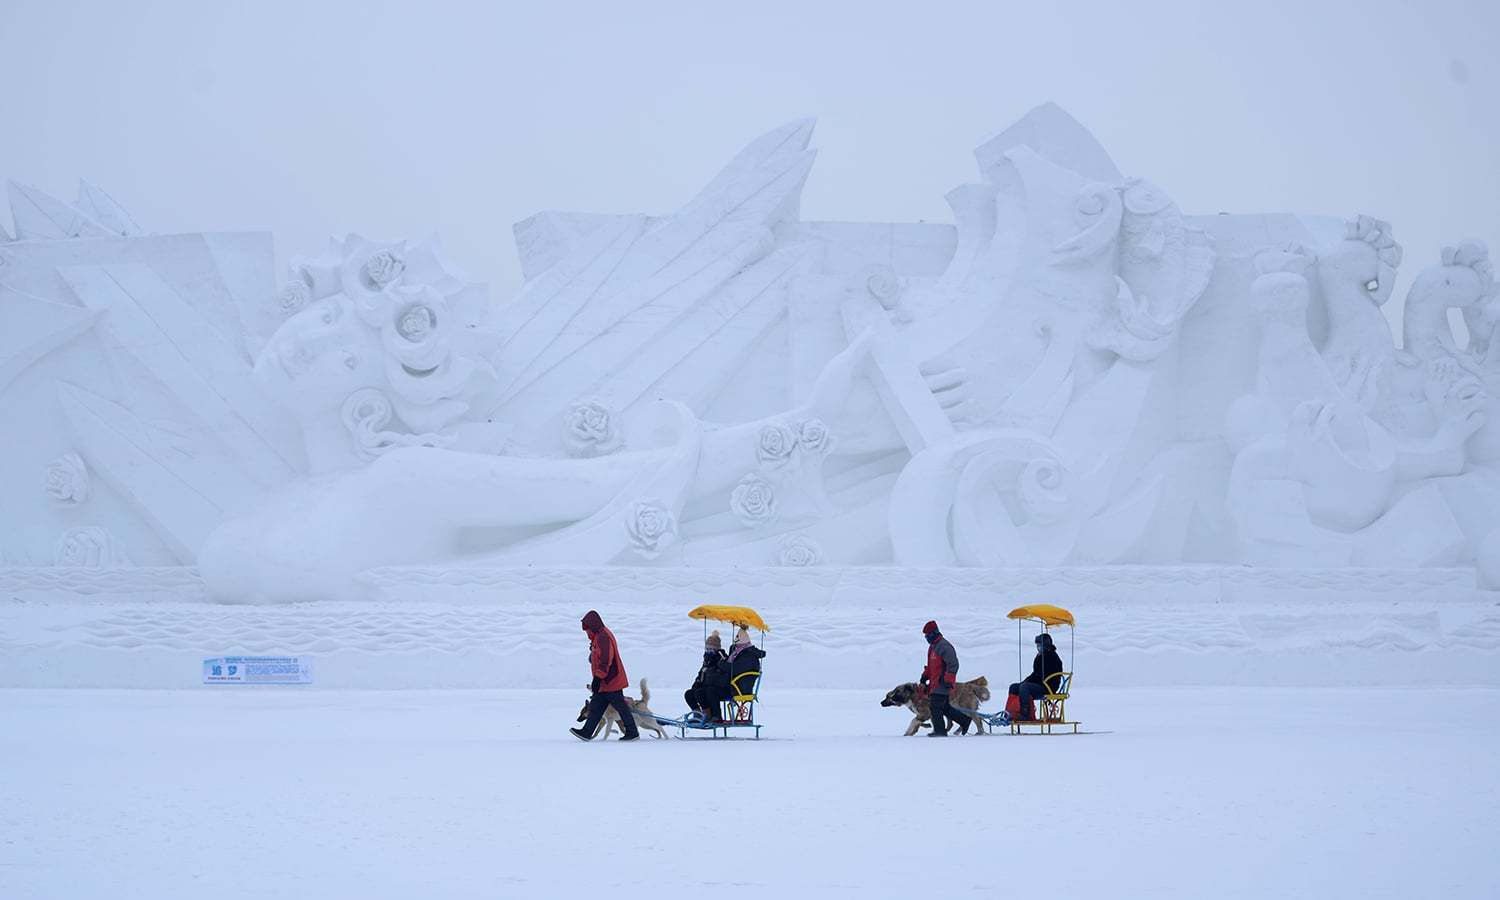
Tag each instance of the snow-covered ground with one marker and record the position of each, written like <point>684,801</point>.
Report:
<point>311,792</point>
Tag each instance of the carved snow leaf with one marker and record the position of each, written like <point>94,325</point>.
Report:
<point>103,209</point>
<point>40,216</point>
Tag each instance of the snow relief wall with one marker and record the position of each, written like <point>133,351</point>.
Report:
<point>1075,387</point>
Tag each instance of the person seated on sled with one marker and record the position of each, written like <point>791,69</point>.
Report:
<point>712,684</point>
<point>744,657</point>
<point>1046,664</point>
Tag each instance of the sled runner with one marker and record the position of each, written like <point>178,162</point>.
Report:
<point>738,712</point>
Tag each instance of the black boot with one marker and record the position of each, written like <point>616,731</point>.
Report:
<point>580,734</point>
<point>626,717</point>
<point>939,723</point>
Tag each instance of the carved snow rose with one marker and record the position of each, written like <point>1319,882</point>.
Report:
<point>651,527</point>
<point>68,479</point>
<point>813,438</point>
<point>775,445</point>
<point>87,547</point>
<point>293,297</point>
<point>798,550</point>
<point>753,500</point>
<point>416,322</point>
<point>591,429</point>
<point>383,267</point>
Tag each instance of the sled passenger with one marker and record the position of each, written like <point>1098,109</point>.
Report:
<point>744,657</point>
<point>608,687</point>
<point>1046,664</point>
<point>938,678</point>
<point>712,684</point>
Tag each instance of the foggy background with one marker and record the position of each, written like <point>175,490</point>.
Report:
<point>396,119</point>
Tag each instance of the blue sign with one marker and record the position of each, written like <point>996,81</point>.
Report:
<point>257,670</point>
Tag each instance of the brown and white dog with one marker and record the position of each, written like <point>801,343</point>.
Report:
<point>640,711</point>
<point>965,695</point>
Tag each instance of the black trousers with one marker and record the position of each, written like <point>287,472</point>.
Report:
<point>706,699</point>
<point>941,712</point>
<point>615,699</point>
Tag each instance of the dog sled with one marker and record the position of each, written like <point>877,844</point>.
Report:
<point>1051,714</point>
<point>738,712</point>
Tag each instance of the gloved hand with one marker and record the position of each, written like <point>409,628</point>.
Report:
<point>594,686</point>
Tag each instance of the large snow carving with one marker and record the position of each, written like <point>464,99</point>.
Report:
<point>1339,450</point>
<point>1074,374</point>
<point>380,351</point>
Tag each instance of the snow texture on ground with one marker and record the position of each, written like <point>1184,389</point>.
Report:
<point>57,641</point>
<point>1206,792</point>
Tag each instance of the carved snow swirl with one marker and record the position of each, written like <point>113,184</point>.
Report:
<point>1096,211</point>
<point>365,416</point>
<point>1043,489</point>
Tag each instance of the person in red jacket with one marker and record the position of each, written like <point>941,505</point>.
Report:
<point>939,677</point>
<point>610,681</point>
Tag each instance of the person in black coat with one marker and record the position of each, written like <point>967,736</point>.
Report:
<point>1035,686</point>
<point>744,657</point>
<point>712,684</point>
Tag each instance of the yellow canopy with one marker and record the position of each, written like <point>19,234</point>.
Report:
<point>1045,613</point>
<point>739,615</point>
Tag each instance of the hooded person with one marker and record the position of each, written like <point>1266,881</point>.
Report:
<point>938,679</point>
<point>608,686</point>
<point>1034,687</point>
<point>712,684</point>
<point>744,657</point>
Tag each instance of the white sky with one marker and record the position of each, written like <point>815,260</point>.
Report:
<point>395,119</point>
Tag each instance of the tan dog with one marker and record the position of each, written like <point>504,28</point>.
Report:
<point>965,695</point>
<point>640,710</point>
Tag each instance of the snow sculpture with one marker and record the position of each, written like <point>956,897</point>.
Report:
<point>1074,374</point>
<point>377,333</point>
<point>89,547</point>
<point>1334,447</point>
<point>592,430</point>
<point>798,550</point>
<point>68,479</point>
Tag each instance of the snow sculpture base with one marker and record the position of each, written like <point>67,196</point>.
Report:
<point>850,627</point>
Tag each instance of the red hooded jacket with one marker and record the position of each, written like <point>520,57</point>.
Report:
<point>941,671</point>
<point>604,655</point>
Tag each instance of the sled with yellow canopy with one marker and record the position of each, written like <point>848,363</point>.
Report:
<point>1052,713</point>
<point>737,712</point>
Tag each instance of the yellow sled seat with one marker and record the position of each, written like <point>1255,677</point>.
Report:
<point>740,710</point>
<point>1053,712</point>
